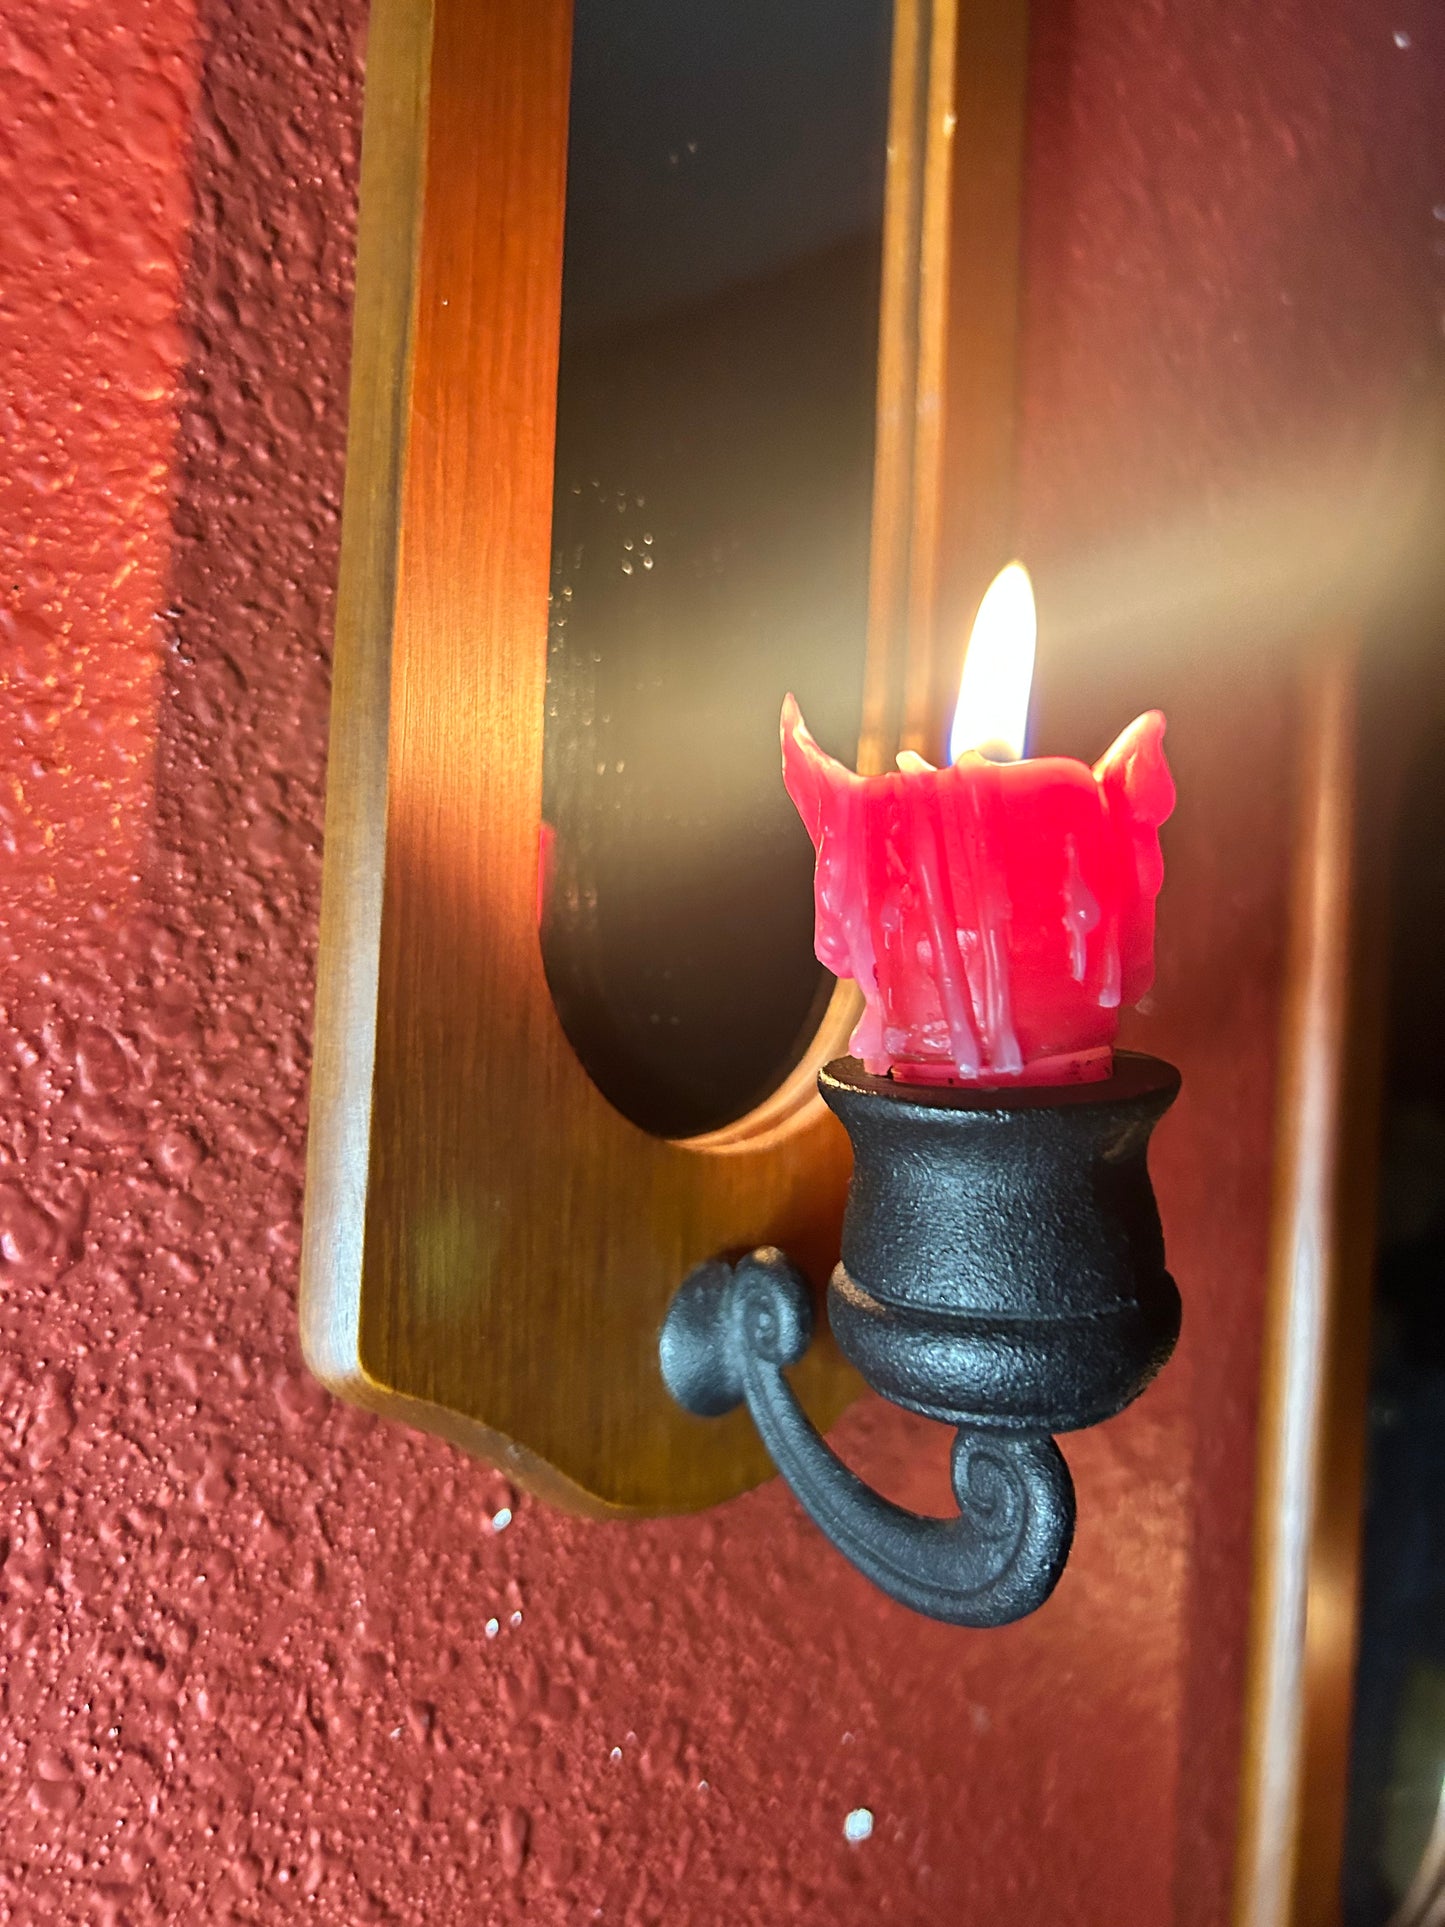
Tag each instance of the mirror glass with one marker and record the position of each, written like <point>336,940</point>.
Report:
<point>711,528</point>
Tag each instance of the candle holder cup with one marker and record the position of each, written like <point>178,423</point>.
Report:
<point>1002,1272</point>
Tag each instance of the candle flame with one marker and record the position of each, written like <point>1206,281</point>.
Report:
<point>998,671</point>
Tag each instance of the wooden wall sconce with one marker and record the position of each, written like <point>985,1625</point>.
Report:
<point>472,1192</point>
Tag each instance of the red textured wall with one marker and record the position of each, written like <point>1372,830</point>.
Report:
<point>264,1659</point>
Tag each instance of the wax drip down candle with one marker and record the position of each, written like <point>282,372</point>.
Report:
<point>998,912</point>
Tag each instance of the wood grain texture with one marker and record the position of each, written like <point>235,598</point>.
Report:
<point>948,375</point>
<point>489,1246</point>
<point>343,1051</point>
<point>967,508</point>
<point>1316,1360</point>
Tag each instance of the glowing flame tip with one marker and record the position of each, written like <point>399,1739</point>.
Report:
<point>998,671</point>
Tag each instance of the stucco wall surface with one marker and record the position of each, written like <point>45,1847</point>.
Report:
<point>265,1660</point>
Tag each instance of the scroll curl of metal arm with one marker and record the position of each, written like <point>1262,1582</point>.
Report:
<point>730,1333</point>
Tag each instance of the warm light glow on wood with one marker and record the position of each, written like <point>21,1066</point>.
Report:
<point>998,671</point>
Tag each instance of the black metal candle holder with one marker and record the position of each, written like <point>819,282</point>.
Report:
<point>1002,1271</point>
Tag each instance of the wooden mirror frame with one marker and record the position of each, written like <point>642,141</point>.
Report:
<point>489,1246</point>
<point>1365,703</point>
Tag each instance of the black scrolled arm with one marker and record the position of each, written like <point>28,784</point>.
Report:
<point>729,1335</point>
<point>1003,1272</point>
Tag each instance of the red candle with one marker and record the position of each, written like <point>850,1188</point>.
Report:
<point>996,914</point>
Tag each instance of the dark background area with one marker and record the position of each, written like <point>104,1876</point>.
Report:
<point>1398,1750</point>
